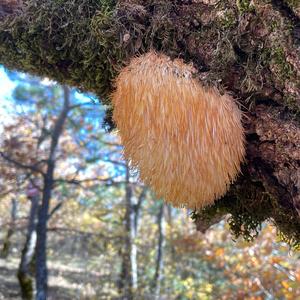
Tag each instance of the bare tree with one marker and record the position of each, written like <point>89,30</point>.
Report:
<point>41,244</point>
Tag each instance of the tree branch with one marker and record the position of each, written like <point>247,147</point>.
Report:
<point>108,181</point>
<point>55,209</point>
<point>18,164</point>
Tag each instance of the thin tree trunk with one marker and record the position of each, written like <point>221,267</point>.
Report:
<point>41,246</point>
<point>135,217</point>
<point>159,258</point>
<point>137,209</point>
<point>127,274</point>
<point>169,220</point>
<point>11,229</point>
<point>25,271</point>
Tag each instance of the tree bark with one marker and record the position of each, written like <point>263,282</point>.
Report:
<point>11,229</point>
<point>249,48</point>
<point>135,228</point>
<point>127,277</point>
<point>9,7</point>
<point>41,244</point>
<point>137,209</point>
<point>27,263</point>
<point>129,273</point>
<point>159,258</point>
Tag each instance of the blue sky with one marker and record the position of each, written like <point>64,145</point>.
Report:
<point>7,110</point>
<point>6,89</point>
<point>6,85</point>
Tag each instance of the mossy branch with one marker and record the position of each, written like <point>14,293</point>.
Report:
<point>249,48</point>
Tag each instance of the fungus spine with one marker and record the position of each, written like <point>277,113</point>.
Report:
<point>186,140</point>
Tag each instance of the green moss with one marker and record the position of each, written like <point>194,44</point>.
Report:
<point>285,69</point>
<point>58,42</point>
<point>275,59</point>
<point>249,209</point>
<point>293,104</point>
<point>274,25</point>
<point>27,285</point>
<point>228,19</point>
<point>293,3</point>
<point>244,6</point>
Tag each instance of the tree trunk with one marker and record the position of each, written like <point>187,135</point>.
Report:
<point>127,277</point>
<point>11,229</point>
<point>159,258</point>
<point>41,245</point>
<point>249,48</point>
<point>136,216</point>
<point>26,266</point>
<point>129,273</point>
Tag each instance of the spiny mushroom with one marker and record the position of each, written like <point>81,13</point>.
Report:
<point>186,140</point>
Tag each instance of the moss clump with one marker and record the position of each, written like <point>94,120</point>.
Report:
<point>228,19</point>
<point>293,103</point>
<point>276,60</point>
<point>85,43</point>
<point>248,209</point>
<point>27,285</point>
<point>244,6</point>
<point>57,41</point>
<point>293,3</point>
<point>284,69</point>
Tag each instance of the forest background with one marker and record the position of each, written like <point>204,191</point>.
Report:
<point>108,236</point>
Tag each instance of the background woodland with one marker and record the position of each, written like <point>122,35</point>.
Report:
<point>108,237</point>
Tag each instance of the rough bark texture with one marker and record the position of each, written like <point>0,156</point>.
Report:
<point>8,7</point>
<point>249,48</point>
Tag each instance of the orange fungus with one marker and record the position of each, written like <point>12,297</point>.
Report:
<point>186,140</point>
